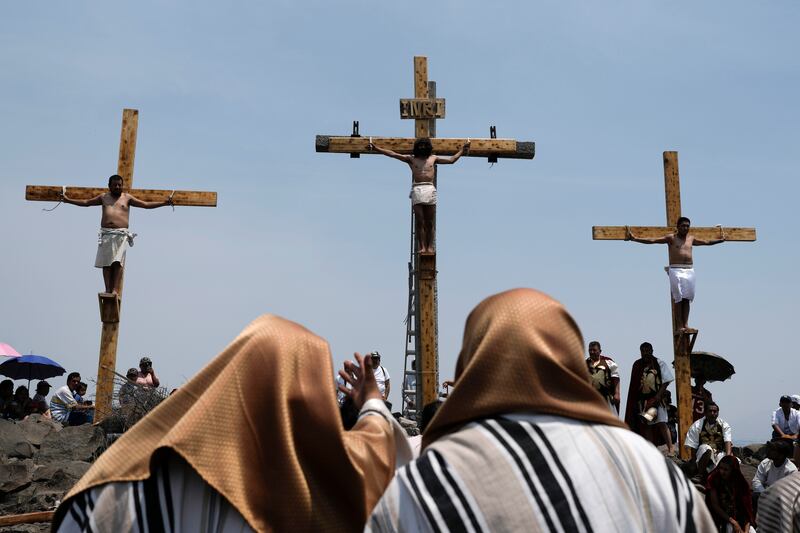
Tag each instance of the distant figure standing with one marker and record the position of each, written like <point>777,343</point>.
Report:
<point>147,376</point>
<point>604,373</point>
<point>423,191</point>
<point>382,377</point>
<point>701,398</point>
<point>114,237</point>
<point>681,266</point>
<point>650,378</point>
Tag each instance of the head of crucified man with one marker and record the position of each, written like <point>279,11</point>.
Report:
<point>115,185</point>
<point>422,147</point>
<point>683,226</point>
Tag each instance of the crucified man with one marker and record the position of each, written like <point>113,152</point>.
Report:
<point>114,237</point>
<point>681,267</point>
<point>423,191</point>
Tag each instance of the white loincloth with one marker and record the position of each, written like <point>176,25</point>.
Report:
<point>112,243</point>
<point>423,193</point>
<point>681,282</point>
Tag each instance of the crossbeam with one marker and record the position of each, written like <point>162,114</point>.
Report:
<point>49,193</point>
<point>617,233</point>
<point>502,148</point>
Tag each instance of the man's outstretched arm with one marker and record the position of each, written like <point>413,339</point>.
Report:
<point>702,242</point>
<point>135,202</point>
<point>395,155</point>
<point>97,200</point>
<point>659,240</point>
<point>443,160</point>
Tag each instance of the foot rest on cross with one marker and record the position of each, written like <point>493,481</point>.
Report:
<point>109,306</point>
<point>688,336</point>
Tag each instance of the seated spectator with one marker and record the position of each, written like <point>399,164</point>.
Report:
<point>785,420</point>
<point>39,402</point>
<point>796,402</point>
<point>779,506</point>
<point>6,395</point>
<point>147,376</point>
<point>19,407</point>
<point>525,442</point>
<point>729,497</point>
<point>63,404</point>
<point>128,389</point>
<point>276,459</point>
<point>709,440</point>
<point>774,468</point>
<point>80,397</point>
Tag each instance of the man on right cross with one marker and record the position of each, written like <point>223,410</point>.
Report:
<point>681,267</point>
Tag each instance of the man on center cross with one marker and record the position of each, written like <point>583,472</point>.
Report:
<point>681,266</point>
<point>114,237</point>
<point>423,191</point>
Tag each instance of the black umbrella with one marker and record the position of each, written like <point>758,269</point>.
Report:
<point>710,366</point>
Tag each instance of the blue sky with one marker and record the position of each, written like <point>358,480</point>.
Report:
<point>230,98</point>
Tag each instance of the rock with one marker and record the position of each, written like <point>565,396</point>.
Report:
<point>406,423</point>
<point>73,470</point>
<point>15,475</point>
<point>77,443</point>
<point>13,442</point>
<point>37,427</point>
<point>759,451</point>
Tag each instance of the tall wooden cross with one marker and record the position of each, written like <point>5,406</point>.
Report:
<point>683,342</point>
<point>425,109</point>
<point>109,304</point>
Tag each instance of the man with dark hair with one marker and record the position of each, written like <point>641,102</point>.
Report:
<point>774,468</point>
<point>709,440</point>
<point>147,376</point>
<point>785,420</point>
<point>423,191</point>
<point>681,266</point>
<point>63,402</point>
<point>605,376</point>
<point>114,237</point>
<point>646,410</point>
<point>39,402</point>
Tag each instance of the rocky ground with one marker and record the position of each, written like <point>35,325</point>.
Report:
<point>40,461</point>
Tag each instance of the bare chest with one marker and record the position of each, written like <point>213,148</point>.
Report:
<point>423,168</point>
<point>112,204</point>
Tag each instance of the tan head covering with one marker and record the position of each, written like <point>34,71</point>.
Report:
<point>260,424</point>
<point>522,352</point>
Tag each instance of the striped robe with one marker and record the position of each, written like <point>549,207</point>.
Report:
<point>541,473</point>
<point>779,506</point>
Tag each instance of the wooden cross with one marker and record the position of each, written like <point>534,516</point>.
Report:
<point>425,109</point>
<point>110,304</point>
<point>683,342</point>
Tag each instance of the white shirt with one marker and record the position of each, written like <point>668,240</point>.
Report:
<point>381,376</point>
<point>693,435</point>
<point>666,371</point>
<point>790,426</point>
<point>767,474</point>
<point>62,403</point>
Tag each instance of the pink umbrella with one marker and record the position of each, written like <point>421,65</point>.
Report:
<point>7,351</point>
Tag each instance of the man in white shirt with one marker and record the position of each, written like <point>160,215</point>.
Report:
<point>785,420</point>
<point>709,440</point>
<point>775,467</point>
<point>63,402</point>
<point>381,376</point>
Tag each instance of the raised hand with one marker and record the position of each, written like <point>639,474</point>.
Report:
<point>361,378</point>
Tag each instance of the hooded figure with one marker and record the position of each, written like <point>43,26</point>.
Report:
<point>525,443</point>
<point>253,442</point>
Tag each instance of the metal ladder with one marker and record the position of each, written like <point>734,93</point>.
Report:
<point>411,395</point>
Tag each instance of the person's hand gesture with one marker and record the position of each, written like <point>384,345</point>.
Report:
<point>361,378</point>
<point>628,234</point>
<point>466,146</point>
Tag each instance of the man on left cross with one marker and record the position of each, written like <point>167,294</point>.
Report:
<point>114,237</point>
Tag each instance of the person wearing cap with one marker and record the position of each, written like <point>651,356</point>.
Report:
<point>785,420</point>
<point>796,401</point>
<point>147,376</point>
<point>381,375</point>
<point>39,402</point>
<point>127,390</point>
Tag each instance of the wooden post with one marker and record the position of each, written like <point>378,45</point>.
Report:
<point>110,305</point>
<point>682,342</point>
